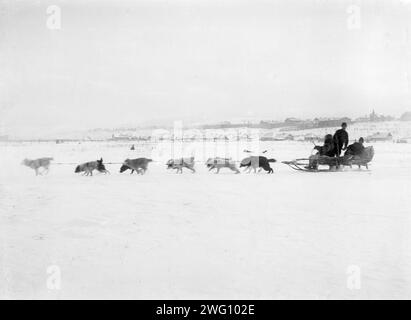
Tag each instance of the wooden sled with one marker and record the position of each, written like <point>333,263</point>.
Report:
<point>362,160</point>
<point>302,165</point>
<point>334,163</point>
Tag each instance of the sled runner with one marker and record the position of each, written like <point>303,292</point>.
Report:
<point>302,164</point>
<point>333,163</point>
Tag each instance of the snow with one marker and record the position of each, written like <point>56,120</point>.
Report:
<point>197,236</point>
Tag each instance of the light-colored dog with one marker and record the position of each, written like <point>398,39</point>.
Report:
<point>37,164</point>
<point>181,163</point>
<point>218,163</point>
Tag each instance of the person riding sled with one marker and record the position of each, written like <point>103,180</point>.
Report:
<point>327,149</point>
<point>355,149</point>
<point>341,139</point>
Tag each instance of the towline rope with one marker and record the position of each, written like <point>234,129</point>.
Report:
<point>77,163</point>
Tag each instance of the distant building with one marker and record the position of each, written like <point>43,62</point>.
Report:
<point>334,122</point>
<point>406,116</point>
<point>379,136</point>
<point>270,124</point>
<point>292,121</point>
<point>374,117</point>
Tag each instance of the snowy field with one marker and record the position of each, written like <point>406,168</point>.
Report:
<point>197,236</point>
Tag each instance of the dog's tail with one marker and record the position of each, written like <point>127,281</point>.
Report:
<point>149,160</point>
<point>272,160</point>
<point>49,158</point>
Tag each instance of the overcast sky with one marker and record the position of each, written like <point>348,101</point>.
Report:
<point>124,62</point>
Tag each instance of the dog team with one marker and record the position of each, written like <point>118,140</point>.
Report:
<point>140,165</point>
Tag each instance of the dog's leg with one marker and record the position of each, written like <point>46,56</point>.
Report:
<point>235,169</point>
<point>218,171</point>
<point>45,170</point>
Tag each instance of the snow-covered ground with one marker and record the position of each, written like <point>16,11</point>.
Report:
<point>197,236</point>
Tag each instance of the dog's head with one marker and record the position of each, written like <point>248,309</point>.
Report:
<point>78,169</point>
<point>124,168</point>
<point>209,162</point>
<point>25,162</point>
<point>100,166</point>
<point>245,162</point>
<point>170,164</point>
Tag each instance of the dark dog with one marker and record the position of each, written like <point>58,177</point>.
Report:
<point>88,167</point>
<point>139,165</point>
<point>255,162</point>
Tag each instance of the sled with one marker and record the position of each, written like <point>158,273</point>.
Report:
<point>362,160</point>
<point>333,163</point>
<point>302,165</point>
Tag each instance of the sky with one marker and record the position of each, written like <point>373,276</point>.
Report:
<point>115,63</point>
